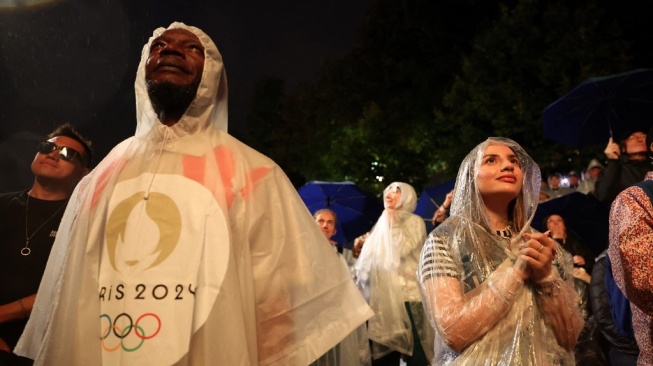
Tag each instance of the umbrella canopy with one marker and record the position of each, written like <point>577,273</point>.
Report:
<point>357,212</point>
<point>430,200</point>
<point>601,108</point>
<point>583,214</point>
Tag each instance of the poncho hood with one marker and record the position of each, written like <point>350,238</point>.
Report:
<point>207,110</point>
<point>467,201</point>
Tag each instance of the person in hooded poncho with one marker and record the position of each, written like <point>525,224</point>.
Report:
<point>497,291</point>
<point>186,247</point>
<point>385,273</point>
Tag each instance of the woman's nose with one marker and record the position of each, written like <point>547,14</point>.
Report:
<point>508,166</point>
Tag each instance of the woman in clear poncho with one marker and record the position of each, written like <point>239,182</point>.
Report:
<point>386,274</point>
<point>488,279</point>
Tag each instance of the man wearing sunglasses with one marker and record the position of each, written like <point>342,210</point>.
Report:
<point>28,225</point>
<point>627,165</point>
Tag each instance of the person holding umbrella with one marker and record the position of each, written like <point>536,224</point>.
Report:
<point>627,165</point>
<point>488,279</point>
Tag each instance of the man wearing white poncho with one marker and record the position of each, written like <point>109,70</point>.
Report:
<point>497,291</point>
<point>186,247</point>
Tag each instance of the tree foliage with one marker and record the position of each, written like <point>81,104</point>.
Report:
<point>533,54</point>
<point>430,79</point>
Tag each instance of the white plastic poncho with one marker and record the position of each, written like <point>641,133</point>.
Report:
<point>493,317</point>
<point>186,247</point>
<point>385,272</point>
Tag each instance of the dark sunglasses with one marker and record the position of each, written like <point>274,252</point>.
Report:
<point>66,153</point>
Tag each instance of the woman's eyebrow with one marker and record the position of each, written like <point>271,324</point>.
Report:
<point>497,155</point>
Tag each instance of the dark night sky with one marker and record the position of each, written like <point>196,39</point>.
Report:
<point>76,61</point>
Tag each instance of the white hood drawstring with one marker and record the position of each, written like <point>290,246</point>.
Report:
<point>166,137</point>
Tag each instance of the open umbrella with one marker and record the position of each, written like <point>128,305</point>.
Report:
<point>357,212</point>
<point>430,200</point>
<point>583,214</point>
<point>601,108</point>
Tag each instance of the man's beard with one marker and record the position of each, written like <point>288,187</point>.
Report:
<point>170,98</point>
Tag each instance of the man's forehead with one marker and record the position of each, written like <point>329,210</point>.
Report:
<point>65,141</point>
<point>178,32</point>
<point>68,142</point>
<point>326,216</point>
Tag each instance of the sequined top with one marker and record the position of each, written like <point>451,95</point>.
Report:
<point>631,243</point>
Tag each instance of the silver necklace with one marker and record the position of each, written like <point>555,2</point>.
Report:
<point>26,250</point>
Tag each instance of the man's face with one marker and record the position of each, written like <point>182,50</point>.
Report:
<point>327,223</point>
<point>555,223</point>
<point>594,172</point>
<point>176,57</point>
<point>53,168</point>
<point>573,180</point>
<point>554,181</point>
<point>635,146</point>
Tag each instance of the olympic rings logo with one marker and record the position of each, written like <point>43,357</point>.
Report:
<point>123,333</point>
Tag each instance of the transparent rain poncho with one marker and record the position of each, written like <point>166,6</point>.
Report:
<point>385,272</point>
<point>483,313</point>
<point>186,247</point>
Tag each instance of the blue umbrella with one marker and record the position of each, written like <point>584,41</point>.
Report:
<point>357,212</point>
<point>430,200</point>
<point>601,108</point>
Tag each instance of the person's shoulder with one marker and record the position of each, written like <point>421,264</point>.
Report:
<point>567,190</point>
<point>11,195</point>
<point>7,197</point>
<point>244,151</point>
<point>639,187</point>
<point>635,165</point>
<point>649,175</point>
<point>612,164</point>
<point>632,196</point>
<point>415,218</point>
<point>448,226</point>
<point>119,148</point>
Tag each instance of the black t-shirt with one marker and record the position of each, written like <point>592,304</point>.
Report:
<point>21,274</point>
